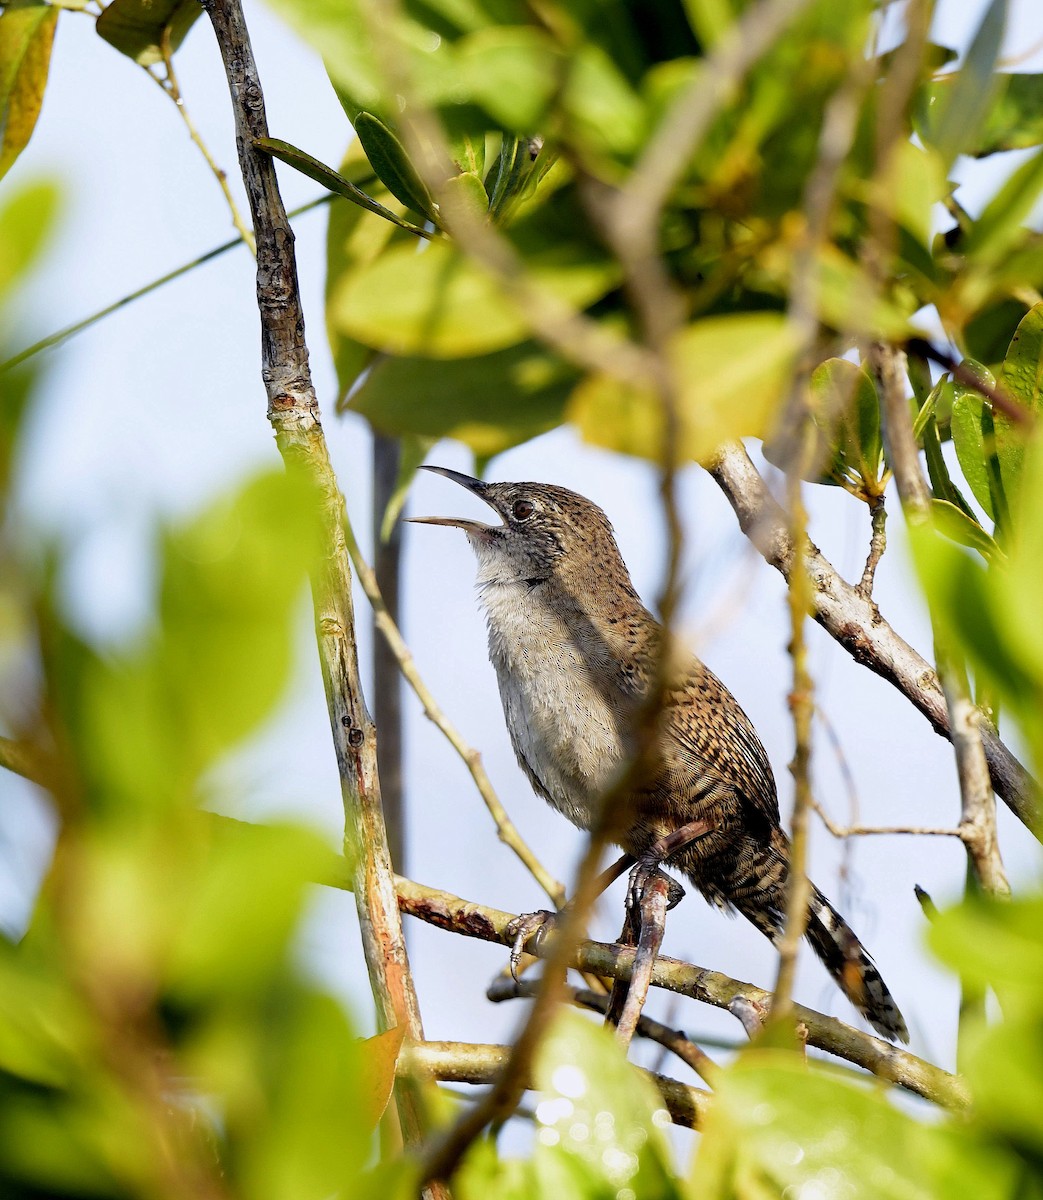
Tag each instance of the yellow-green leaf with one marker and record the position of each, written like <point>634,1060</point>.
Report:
<point>732,372</point>
<point>26,37</point>
<point>438,304</point>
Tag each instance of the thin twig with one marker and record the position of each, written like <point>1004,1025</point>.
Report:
<point>63,335</point>
<point>465,1062</point>
<point>838,131</point>
<point>877,546</point>
<point>850,831</point>
<point>293,411</point>
<point>505,827</point>
<point>26,760</point>
<point>504,987</point>
<point>170,87</point>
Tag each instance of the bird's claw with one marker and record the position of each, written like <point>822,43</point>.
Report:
<point>532,927</point>
<point>643,873</point>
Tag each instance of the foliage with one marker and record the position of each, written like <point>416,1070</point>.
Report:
<point>156,1036</point>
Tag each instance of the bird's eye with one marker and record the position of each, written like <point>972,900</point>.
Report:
<point>522,510</point>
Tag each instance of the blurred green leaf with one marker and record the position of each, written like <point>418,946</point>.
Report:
<point>439,304</point>
<point>512,72</point>
<point>733,372</point>
<point>607,113</point>
<point>602,1126</point>
<point>1000,225</point>
<point>413,449</point>
<point>148,722</point>
<point>768,1135</point>
<point>388,158</point>
<point>379,1060</point>
<point>967,103</point>
<point>490,402</point>
<point>974,436</point>
<point>987,334</point>
<point>954,522</point>
<point>1014,120</point>
<point>27,221</point>
<point>354,238</point>
<point>141,29</point>
<point>311,1137</point>
<point>222,948</point>
<point>26,37</point>
<point>997,944</point>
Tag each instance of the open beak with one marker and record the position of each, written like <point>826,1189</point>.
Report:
<point>476,486</point>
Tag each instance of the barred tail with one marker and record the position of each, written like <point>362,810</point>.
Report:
<point>846,959</point>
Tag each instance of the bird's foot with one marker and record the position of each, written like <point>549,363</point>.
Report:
<point>528,927</point>
<point>645,872</point>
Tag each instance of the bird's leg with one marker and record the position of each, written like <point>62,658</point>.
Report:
<point>650,896</point>
<point>655,900</point>
<point>646,869</point>
<point>535,926</point>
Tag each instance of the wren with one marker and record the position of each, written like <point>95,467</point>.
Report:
<point>576,655</point>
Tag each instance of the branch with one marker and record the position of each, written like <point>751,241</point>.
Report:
<point>855,622</point>
<point>294,413</point>
<point>464,1062</point>
<point>698,983</point>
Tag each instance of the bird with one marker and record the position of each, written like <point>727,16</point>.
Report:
<point>576,655</point>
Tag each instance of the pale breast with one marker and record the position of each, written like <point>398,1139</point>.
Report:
<point>568,720</point>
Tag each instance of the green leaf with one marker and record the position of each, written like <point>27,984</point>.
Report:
<point>441,305</point>
<point>997,944</point>
<point>389,159</point>
<point>26,37</point>
<point>973,435</point>
<point>779,1126</point>
<point>968,101</point>
<point>971,610</point>
<point>331,180</point>
<point>141,29</point>
<point>733,372</point>
<point>847,408</point>
<point>490,402</point>
<point>938,469</point>
<point>311,1135</point>
<point>355,238</point>
<point>601,1124</point>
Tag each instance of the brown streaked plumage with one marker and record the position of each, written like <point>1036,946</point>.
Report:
<point>575,651</point>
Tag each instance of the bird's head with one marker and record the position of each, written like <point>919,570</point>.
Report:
<point>544,530</point>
